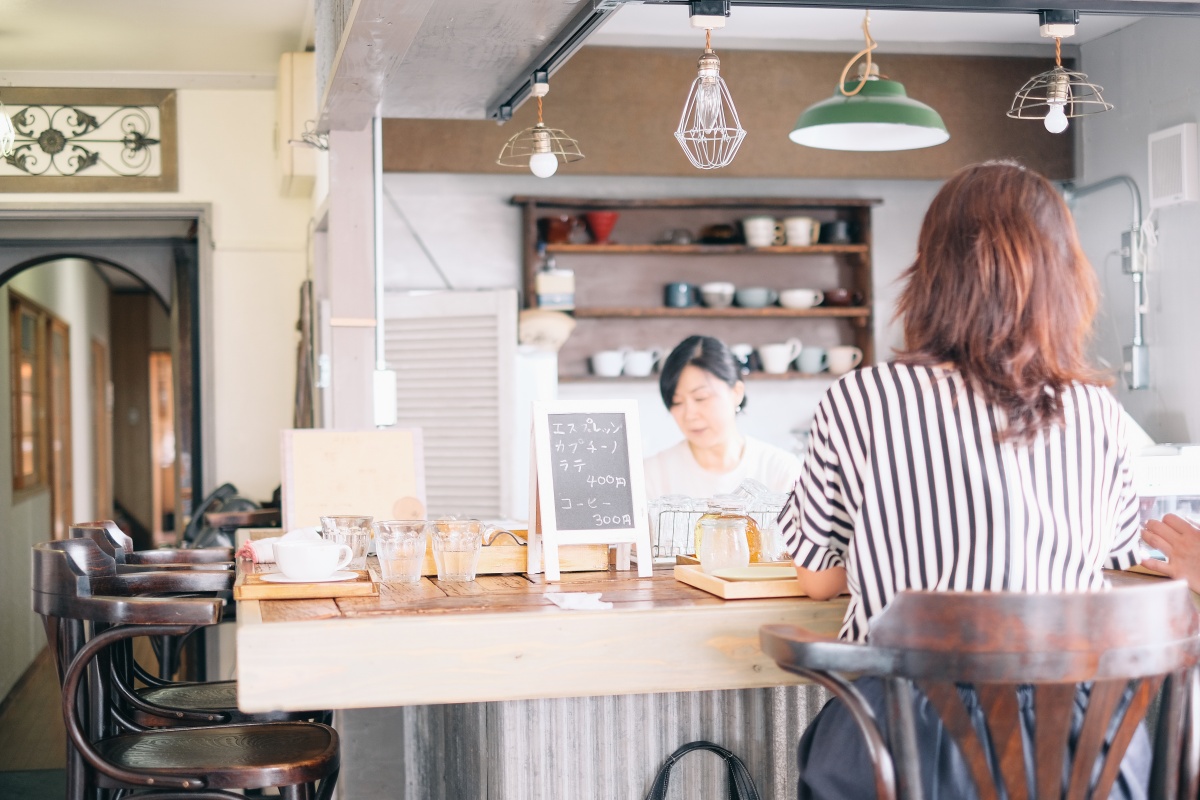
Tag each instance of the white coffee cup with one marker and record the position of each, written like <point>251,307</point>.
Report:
<point>717,294</point>
<point>608,363</point>
<point>776,358</point>
<point>307,560</point>
<point>640,363</point>
<point>844,358</point>
<point>762,231</point>
<point>800,231</point>
<point>801,298</point>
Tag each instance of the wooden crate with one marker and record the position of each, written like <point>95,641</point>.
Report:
<point>507,557</point>
<point>737,590</point>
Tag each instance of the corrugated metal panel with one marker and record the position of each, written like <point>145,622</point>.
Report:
<point>589,748</point>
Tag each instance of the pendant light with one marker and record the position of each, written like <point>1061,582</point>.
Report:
<point>709,131</point>
<point>539,148</point>
<point>1058,94</point>
<point>870,114</point>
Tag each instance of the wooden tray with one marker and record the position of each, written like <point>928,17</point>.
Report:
<point>251,586</point>
<point>737,590</point>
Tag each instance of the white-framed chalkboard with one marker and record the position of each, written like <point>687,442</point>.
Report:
<point>587,484</point>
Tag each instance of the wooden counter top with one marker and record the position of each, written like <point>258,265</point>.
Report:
<point>500,638</point>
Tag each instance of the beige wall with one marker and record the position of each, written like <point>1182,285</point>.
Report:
<point>249,297</point>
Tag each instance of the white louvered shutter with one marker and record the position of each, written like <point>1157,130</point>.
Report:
<point>454,357</point>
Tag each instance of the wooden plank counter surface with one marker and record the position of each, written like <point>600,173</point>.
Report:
<point>500,638</point>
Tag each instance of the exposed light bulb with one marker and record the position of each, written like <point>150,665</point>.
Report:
<point>708,105</point>
<point>1056,118</point>
<point>543,164</point>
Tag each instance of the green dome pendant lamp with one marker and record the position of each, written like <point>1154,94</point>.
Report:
<point>869,114</point>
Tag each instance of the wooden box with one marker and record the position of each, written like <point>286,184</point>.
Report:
<point>737,590</point>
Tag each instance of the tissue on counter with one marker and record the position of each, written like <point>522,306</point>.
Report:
<point>578,601</point>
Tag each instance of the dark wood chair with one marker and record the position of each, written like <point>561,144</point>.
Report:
<point>1137,638</point>
<point>75,582</point>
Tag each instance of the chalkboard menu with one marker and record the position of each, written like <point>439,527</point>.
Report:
<point>591,481</point>
<point>586,483</point>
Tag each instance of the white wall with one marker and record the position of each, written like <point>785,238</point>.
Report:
<point>474,235</point>
<point>1147,73</point>
<point>73,292</point>
<point>227,159</point>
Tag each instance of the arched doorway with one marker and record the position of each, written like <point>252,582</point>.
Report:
<point>138,382</point>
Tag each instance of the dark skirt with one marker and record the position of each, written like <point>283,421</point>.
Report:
<point>834,764</point>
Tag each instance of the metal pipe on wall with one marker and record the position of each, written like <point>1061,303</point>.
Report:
<point>1136,364</point>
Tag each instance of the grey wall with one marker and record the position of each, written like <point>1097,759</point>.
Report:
<point>465,225</point>
<point>1147,73</point>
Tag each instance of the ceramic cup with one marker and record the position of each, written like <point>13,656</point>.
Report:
<point>608,363</point>
<point>812,360</point>
<point>762,231</point>
<point>640,363</point>
<point>308,560</point>
<point>776,358</point>
<point>800,231</point>
<point>743,354</point>
<point>680,295</point>
<point>717,294</point>
<point>844,358</point>
<point>755,296</point>
<point>801,298</point>
<point>843,297</point>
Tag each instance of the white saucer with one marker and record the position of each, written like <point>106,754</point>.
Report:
<point>279,577</point>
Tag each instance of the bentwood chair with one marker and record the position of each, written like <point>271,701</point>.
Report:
<point>111,747</point>
<point>1136,639</point>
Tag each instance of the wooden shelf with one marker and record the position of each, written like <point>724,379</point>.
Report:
<point>790,375</point>
<point>707,249</point>
<point>733,312</point>
<point>606,203</point>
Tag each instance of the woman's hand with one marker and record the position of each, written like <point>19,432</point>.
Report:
<point>822,584</point>
<point>1179,541</point>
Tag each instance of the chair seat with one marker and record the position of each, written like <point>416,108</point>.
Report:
<point>230,756</point>
<point>216,696</point>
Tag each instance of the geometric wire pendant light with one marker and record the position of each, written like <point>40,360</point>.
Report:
<point>539,148</point>
<point>870,114</point>
<point>709,131</point>
<point>1057,95</point>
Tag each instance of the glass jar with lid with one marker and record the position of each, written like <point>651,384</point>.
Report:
<point>728,506</point>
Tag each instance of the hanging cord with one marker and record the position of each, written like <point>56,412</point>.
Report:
<point>708,40</point>
<point>866,51</point>
<point>539,109</point>
<point>1058,51</point>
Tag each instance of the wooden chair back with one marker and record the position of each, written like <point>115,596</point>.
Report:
<point>116,543</point>
<point>1136,639</point>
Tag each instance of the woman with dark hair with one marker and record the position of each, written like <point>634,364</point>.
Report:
<point>988,456</point>
<point>702,388</point>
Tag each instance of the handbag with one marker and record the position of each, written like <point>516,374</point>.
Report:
<point>741,785</point>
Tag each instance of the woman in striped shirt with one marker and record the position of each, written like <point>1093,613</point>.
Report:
<point>988,456</point>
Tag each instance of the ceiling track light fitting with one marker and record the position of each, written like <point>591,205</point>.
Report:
<point>870,114</point>
<point>540,149</point>
<point>1058,95</point>
<point>709,131</point>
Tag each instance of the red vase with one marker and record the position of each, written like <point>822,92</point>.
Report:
<point>600,225</point>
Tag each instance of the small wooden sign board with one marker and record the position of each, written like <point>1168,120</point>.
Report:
<point>587,484</point>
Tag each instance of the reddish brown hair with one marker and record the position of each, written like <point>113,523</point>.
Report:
<point>1002,290</point>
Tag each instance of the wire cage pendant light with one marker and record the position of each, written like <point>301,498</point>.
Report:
<point>540,149</point>
<point>1058,95</point>
<point>709,131</point>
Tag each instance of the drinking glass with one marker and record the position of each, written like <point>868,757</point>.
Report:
<point>456,546</point>
<point>400,545</point>
<point>723,543</point>
<point>352,531</point>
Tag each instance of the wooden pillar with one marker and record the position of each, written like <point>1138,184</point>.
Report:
<point>349,279</point>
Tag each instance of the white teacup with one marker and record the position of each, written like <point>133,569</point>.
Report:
<point>608,363</point>
<point>762,231</point>
<point>640,363</point>
<point>776,358</point>
<point>717,294</point>
<point>844,358</point>
<point>800,231</point>
<point>801,298</point>
<point>307,560</point>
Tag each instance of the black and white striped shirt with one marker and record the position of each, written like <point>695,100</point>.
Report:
<point>906,487</point>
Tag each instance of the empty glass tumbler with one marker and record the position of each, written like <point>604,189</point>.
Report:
<point>456,547</point>
<point>400,545</point>
<point>723,543</point>
<point>352,531</point>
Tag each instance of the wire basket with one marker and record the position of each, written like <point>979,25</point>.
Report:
<point>673,526</point>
